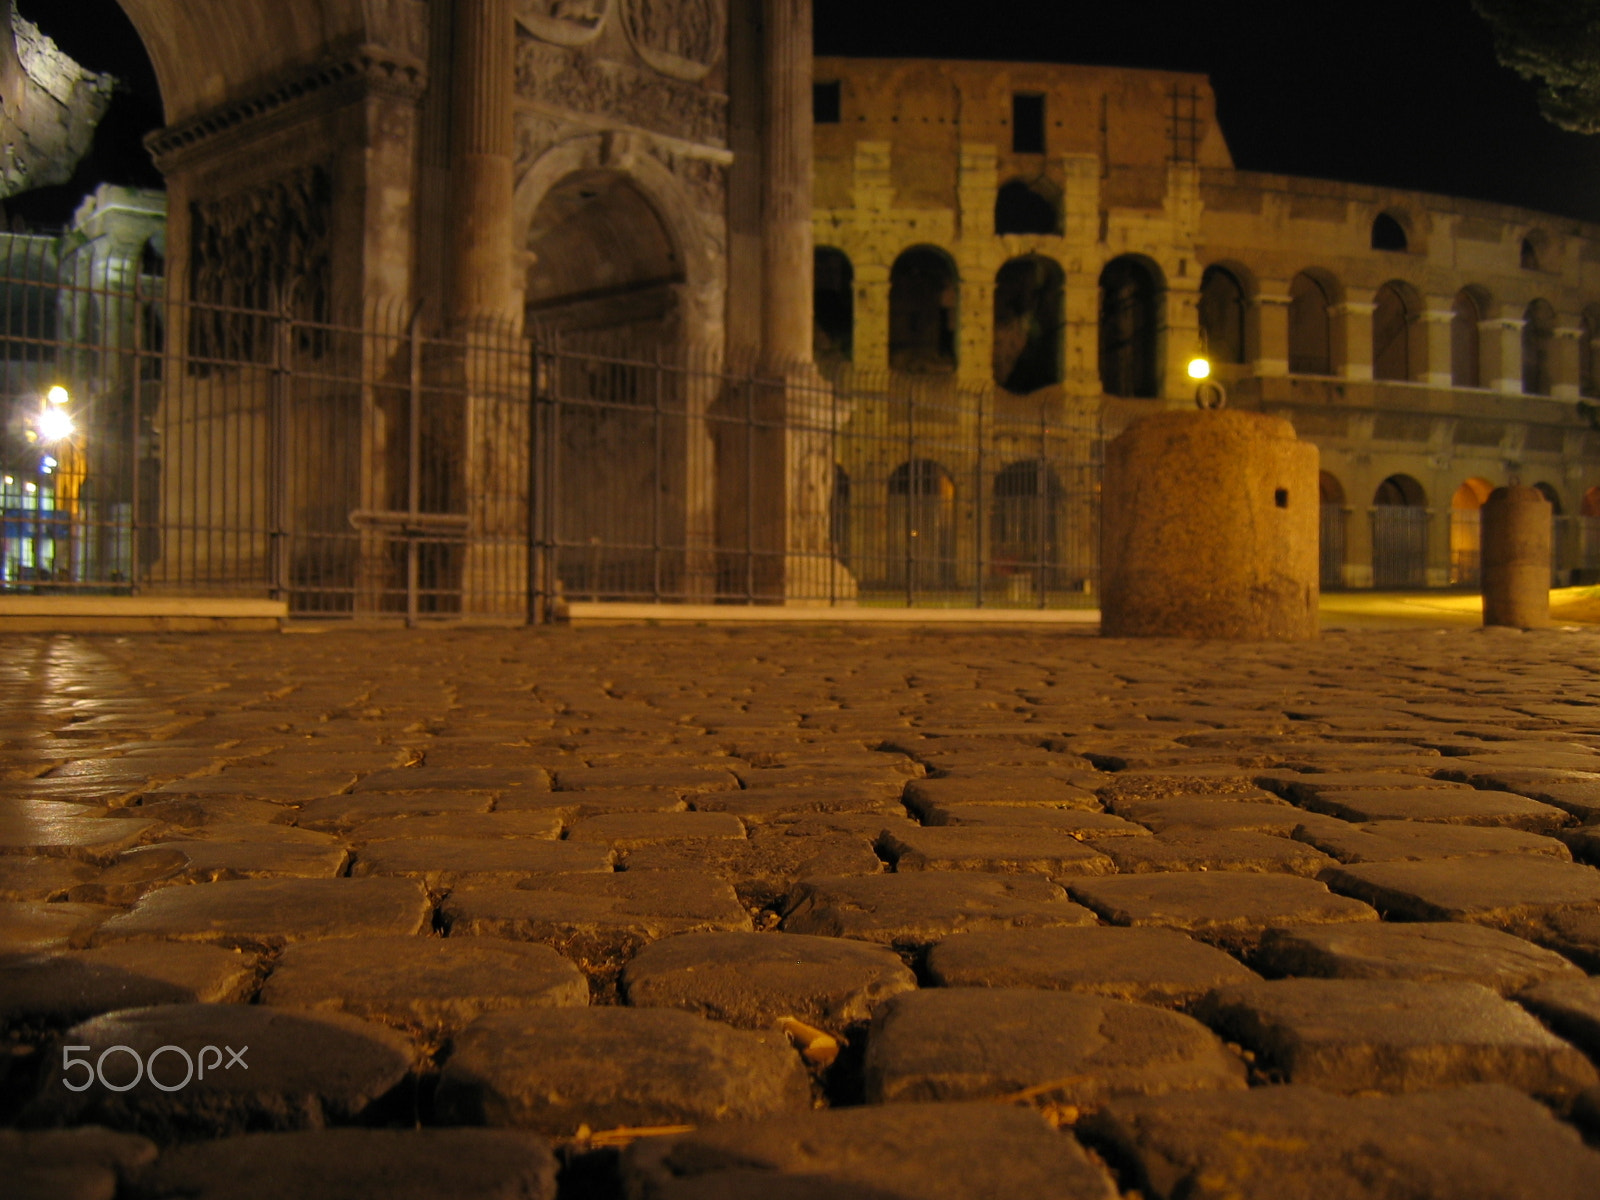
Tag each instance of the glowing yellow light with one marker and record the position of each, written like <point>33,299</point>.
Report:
<point>57,395</point>
<point>55,425</point>
<point>1199,368</point>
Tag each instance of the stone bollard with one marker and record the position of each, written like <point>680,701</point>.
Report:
<point>1208,529</point>
<point>1516,558</point>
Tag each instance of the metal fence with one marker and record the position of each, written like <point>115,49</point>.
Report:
<point>156,443</point>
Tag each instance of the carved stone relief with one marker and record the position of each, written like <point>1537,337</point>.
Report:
<point>575,81</point>
<point>255,250</point>
<point>679,38</point>
<point>564,22</point>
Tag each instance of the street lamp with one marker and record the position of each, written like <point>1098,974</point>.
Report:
<point>1208,393</point>
<point>55,423</point>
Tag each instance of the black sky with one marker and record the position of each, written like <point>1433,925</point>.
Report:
<point>1399,92</point>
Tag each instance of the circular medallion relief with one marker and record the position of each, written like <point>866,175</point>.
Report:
<point>680,38</point>
<point>564,22</point>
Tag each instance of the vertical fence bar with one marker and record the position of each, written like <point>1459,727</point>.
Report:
<point>749,489</point>
<point>413,462</point>
<point>978,506</point>
<point>278,455</point>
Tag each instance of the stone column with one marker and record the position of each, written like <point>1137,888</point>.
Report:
<point>1272,329</point>
<point>1516,558</point>
<point>1352,339</point>
<point>481,283</point>
<point>1437,324</point>
<point>1500,343</point>
<point>1564,351</point>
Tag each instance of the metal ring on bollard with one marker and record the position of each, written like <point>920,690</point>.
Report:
<point>1209,394</point>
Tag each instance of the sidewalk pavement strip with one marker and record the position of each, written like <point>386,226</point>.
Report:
<point>818,911</point>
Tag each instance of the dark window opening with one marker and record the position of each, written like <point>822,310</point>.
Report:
<point>1130,329</point>
<point>833,306</point>
<point>826,105</point>
<point>922,312</point>
<point>1388,234</point>
<point>1027,324</point>
<point>1281,497</point>
<point>1027,124</point>
<point>1530,255</point>
<point>1310,328</point>
<point>1222,313</point>
<point>1024,208</point>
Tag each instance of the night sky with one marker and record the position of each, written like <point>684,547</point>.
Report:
<point>1399,92</point>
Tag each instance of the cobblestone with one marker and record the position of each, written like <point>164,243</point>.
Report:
<point>575,879</point>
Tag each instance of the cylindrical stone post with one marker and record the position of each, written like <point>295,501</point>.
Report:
<point>1209,528</point>
<point>1516,558</point>
<point>483,146</point>
<point>786,266</point>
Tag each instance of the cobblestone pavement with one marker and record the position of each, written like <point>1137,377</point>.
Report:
<point>800,913</point>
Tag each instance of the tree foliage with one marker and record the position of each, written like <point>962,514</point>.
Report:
<point>1555,44</point>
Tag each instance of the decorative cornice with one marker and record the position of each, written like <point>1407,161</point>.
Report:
<point>379,68</point>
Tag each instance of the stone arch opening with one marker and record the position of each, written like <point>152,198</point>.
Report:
<point>1589,352</point>
<point>832,305</point>
<point>1466,352</point>
<point>1399,534</point>
<point>1028,321</point>
<point>1021,206</point>
<point>1023,519</point>
<point>922,526</point>
<point>603,260</point>
<point>1548,491</point>
<point>1132,302</point>
<point>923,287</point>
<point>1531,253</point>
<point>1333,518</point>
<point>1538,333</point>
<point>1395,344</point>
<point>1223,308</point>
<point>1311,300</point>
<point>1466,529</point>
<point>1388,233</point>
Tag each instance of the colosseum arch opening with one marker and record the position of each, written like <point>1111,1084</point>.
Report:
<point>1399,534</point>
<point>1132,325</point>
<point>1027,324</point>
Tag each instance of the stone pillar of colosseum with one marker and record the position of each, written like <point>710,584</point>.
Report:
<point>1564,353</point>
<point>1352,339</point>
<point>1272,328</point>
<point>1500,343</point>
<point>480,277</point>
<point>1437,321</point>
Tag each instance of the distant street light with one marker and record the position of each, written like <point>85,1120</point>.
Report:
<point>55,425</point>
<point>1208,393</point>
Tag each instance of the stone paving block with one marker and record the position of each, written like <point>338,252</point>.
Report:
<point>31,927</point>
<point>999,848</point>
<point>882,783</point>
<point>628,831</point>
<point>359,1164</point>
<point>1502,809</point>
<point>1395,1035</point>
<point>1303,788</point>
<point>338,813</point>
<point>1482,1142</point>
<point>424,987</point>
<point>1210,814</point>
<point>93,839</point>
<point>1188,849</point>
<point>545,824</point>
<point>1580,797</point>
<point>666,775</point>
<point>269,913</point>
<point>41,878</point>
<point>767,805</point>
<point>298,787</point>
<point>165,864</point>
<point>52,991</point>
<point>270,835</point>
<point>598,921</point>
<point>1072,821</point>
<point>210,811</point>
<point>958,1151</point>
<point>921,907</point>
<point>555,1069</point>
<point>763,868</point>
<point>1576,934</point>
<point>752,979</point>
<point>971,1043</point>
<point>985,788</point>
<point>1150,966</point>
<point>1428,951</point>
<point>1203,780</point>
<point>1520,894</point>
<point>1418,841</point>
<point>1570,1005</point>
<point>444,862</point>
<point>70,1164</point>
<point>1231,910</point>
<point>456,779</point>
<point>299,1071</point>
